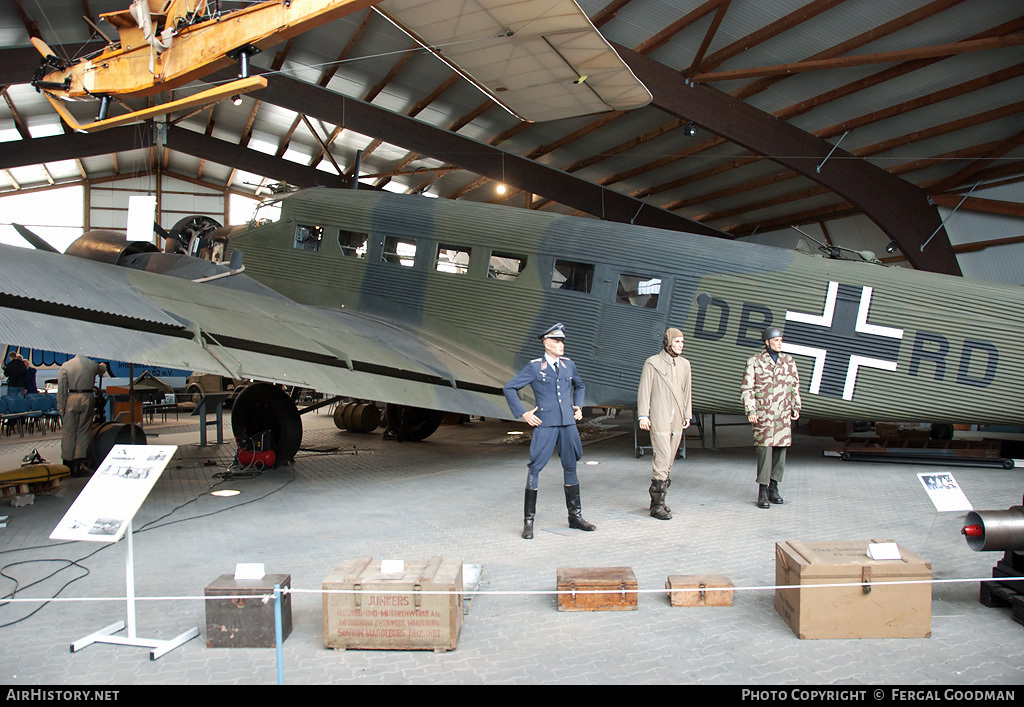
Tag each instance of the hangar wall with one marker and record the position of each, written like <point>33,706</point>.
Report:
<point>108,202</point>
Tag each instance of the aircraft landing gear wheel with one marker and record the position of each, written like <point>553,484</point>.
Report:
<point>263,407</point>
<point>411,424</point>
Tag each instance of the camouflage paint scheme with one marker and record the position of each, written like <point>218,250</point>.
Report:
<point>771,390</point>
<point>871,342</point>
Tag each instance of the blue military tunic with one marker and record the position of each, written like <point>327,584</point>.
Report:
<point>556,392</point>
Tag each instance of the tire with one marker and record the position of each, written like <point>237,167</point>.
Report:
<point>264,407</point>
<point>411,424</point>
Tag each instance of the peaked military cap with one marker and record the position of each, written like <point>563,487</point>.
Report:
<point>555,332</point>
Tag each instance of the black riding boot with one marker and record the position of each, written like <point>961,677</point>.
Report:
<point>572,502</point>
<point>529,511</point>
<point>658,508</point>
<point>762,496</point>
<point>773,492</point>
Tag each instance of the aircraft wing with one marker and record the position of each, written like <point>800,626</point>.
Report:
<point>61,303</point>
<point>540,59</point>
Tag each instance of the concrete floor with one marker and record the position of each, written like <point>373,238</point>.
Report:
<point>459,495</point>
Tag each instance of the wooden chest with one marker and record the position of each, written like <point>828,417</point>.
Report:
<point>597,589</point>
<point>871,611</point>
<point>720,596</point>
<point>394,610</point>
<point>246,623</point>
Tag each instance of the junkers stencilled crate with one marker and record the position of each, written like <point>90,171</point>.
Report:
<point>246,622</point>
<point>701,590</point>
<point>597,589</point>
<point>393,610</point>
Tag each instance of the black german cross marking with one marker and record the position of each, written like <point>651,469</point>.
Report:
<point>841,340</point>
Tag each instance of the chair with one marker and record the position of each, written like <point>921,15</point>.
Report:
<point>52,414</point>
<point>17,411</point>
<point>38,405</point>
<point>5,419</point>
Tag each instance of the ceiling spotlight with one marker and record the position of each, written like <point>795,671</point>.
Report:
<point>237,100</point>
<point>892,247</point>
<point>225,493</point>
<point>500,189</point>
<point>690,129</point>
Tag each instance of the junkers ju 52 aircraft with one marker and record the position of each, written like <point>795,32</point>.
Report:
<point>432,304</point>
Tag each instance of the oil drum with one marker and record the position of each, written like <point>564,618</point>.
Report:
<point>105,436</point>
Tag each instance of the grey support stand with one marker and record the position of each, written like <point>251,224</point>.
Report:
<point>105,635</point>
<point>214,402</point>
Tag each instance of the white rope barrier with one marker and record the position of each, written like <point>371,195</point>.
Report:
<point>517,592</point>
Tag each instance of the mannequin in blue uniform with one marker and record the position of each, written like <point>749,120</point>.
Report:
<point>558,391</point>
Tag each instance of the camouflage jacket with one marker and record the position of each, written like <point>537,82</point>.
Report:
<point>772,392</point>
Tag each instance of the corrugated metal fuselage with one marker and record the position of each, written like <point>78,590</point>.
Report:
<point>871,342</point>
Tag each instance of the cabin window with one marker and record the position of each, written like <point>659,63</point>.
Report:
<point>452,258</point>
<point>399,250</point>
<point>353,243</point>
<point>639,291</point>
<point>308,237</point>
<point>572,276</point>
<point>503,266</point>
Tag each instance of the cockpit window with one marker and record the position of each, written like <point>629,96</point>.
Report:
<point>639,291</point>
<point>266,212</point>
<point>308,237</point>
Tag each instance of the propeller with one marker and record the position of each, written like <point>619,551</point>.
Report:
<point>33,239</point>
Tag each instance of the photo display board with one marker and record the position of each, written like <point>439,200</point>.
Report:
<point>114,494</point>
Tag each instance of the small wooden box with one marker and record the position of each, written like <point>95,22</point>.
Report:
<point>617,585</point>
<point>246,623</point>
<point>394,613</point>
<point>885,611</point>
<point>720,597</point>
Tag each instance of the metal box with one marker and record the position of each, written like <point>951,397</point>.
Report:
<point>246,623</point>
<point>597,589</point>
<point>395,611</point>
<point>721,596</point>
<point>863,609</point>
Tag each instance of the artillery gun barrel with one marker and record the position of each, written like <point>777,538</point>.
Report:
<point>995,530</point>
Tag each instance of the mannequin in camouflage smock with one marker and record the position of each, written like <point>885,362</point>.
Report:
<point>771,401</point>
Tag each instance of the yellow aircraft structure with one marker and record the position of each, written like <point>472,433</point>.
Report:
<point>540,59</point>
<point>166,44</point>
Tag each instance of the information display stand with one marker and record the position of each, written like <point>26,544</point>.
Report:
<point>103,512</point>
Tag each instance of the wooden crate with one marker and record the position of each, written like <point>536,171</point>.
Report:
<point>394,613</point>
<point>700,582</point>
<point>246,623</point>
<point>617,584</point>
<point>885,611</point>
